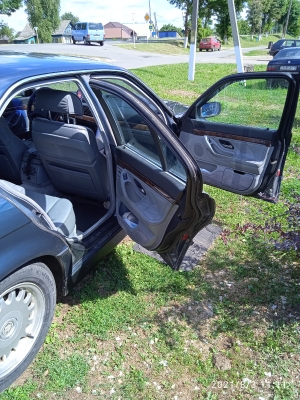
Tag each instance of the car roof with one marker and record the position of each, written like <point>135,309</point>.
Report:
<point>17,66</point>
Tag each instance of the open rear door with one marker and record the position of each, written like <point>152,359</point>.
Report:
<point>159,198</point>
<point>239,132</point>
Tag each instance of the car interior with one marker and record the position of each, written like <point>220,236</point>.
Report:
<point>51,160</point>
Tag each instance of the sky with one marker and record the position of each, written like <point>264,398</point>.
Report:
<point>124,11</point>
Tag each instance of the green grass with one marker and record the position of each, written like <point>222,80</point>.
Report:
<point>256,53</point>
<point>134,329</point>
<point>175,48</point>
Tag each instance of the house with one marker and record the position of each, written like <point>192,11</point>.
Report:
<point>63,34</point>
<point>116,30</point>
<point>4,39</point>
<point>26,36</point>
<point>142,30</point>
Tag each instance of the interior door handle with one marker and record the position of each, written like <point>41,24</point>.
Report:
<point>140,187</point>
<point>210,144</point>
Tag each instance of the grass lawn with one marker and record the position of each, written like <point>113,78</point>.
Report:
<point>175,48</point>
<point>256,53</point>
<point>134,329</point>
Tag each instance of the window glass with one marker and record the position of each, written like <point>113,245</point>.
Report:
<point>140,137</point>
<point>256,103</point>
<point>94,26</point>
<point>133,89</point>
<point>83,26</point>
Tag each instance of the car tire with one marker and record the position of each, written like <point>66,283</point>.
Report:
<point>27,304</point>
<point>200,49</point>
<point>73,40</point>
<point>101,43</point>
<point>206,49</point>
<point>212,49</point>
<point>219,49</point>
<point>85,42</point>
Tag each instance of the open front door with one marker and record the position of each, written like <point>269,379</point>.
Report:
<point>159,198</point>
<point>239,132</point>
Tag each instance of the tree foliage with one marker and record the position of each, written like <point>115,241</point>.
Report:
<point>43,14</point>
<point>69,16</point>
<point>7,7</point>
<point>5,30</point>
<point>171,28</point>
<point>254,16</point>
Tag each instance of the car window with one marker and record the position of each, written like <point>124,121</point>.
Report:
<point>135,90</point>
<point>83,26</point>
<point>140,137</point>
<point>94,26</point>
<point>256,103</point>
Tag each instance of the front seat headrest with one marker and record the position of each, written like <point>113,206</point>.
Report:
<point>58,101</point>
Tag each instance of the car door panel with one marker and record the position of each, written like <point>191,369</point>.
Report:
<point>159,199</point>
<point>236,156</point>
<point>146,212</point>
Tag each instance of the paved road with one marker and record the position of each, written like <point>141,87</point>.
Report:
<point>133,58</point>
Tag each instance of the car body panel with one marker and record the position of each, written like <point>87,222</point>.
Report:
<point>235,156</point>
<point>154,207</point>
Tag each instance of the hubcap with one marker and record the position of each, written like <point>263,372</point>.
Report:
<point>22,310</point>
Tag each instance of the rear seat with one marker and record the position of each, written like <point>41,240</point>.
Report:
<point>59,211</point>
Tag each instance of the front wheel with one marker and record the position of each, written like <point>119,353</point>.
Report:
<point>27,304</point>
<point>85,41</point>
<point>73,40</point>
<point>200,49</point>
<point>101,43</point>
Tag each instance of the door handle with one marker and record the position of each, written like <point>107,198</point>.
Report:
<point>140,187</point>
<point>210,144</point>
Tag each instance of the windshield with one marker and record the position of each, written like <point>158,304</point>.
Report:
<point>94,26</point>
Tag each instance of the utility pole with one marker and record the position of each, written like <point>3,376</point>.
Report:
<point>235,35</point>
<point>193,45</point>
<point>287,20</point>
<point>155,24</point>
<point>150,11</point>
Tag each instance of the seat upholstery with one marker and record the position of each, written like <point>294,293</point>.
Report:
<point>60,211</point>
<point>69,152</point>
<point>11,153</point>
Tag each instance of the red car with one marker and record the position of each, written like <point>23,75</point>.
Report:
<point>210,43</point>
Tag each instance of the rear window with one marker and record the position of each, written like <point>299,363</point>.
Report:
<point>94,26</point>
<point>205,40</point>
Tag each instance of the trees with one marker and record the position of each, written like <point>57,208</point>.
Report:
<point>7,7</point>
<point>5,30</point>
<point>170,27</point>
<point>186,6</point>
<point>254,16</point>
<point>43,14</point>
<point>70,16</point>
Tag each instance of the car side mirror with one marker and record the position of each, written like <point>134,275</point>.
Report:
<point>209,110</point>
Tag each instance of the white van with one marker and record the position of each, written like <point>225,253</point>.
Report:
<point>88,32</point>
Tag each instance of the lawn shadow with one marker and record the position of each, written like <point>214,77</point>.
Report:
<point>106,279</point>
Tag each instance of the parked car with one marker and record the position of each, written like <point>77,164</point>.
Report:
<point>210,43</point>
<point>287,60</point>
<point>282,44</point>
<point>88,32</point>
<point>101,157</point>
